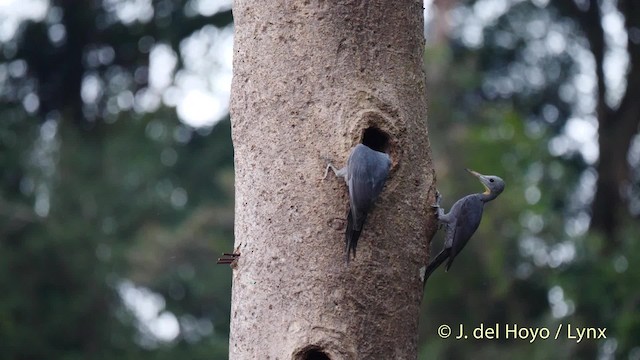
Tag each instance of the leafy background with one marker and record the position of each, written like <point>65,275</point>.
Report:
<point>116,175</point>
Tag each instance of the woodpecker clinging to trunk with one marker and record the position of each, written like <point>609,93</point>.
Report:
<point>463,220</point>
<point>365,174</point>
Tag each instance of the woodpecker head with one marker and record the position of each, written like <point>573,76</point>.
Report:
<point>493,185</point>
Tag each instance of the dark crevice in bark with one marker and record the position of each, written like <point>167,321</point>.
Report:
<point>376,139</point>
<point>311,352</point>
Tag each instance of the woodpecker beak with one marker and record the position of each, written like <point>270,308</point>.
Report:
<point>474,173</point>
<point>482,179</point>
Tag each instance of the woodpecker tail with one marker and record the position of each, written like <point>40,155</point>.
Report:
<point>437,261</point>
<point>351,237</point>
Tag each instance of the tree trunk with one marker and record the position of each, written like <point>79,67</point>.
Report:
<point>311,80</point>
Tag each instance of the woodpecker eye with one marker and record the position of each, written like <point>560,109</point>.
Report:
<point>491,180</point>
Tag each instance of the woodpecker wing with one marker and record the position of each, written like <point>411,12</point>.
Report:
<point>435,263</point>
<point>367,172</point>
<point>467,222</point>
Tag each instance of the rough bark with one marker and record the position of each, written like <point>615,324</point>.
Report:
<point>311,80</point>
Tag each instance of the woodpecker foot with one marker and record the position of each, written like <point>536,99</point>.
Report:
<point>326,171</point>
<point>326,160</point>
<point>341,173</point>
<point>227,258</point>
<point>438,209</point>
<point>438,200</point>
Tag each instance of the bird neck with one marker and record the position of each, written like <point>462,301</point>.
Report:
<point>488,196</point>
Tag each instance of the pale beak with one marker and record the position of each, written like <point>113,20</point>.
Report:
<point>474,173</point>
<point>482,179</point>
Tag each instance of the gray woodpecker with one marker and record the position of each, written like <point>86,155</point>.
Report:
<point>365,174</point>
<point>463,220</point>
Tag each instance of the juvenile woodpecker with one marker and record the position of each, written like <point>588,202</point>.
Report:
<point>463,220</point>
<point>365,174</point>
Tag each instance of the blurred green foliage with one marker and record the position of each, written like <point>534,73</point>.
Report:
<point>501,108</point>
<point>97,198</point>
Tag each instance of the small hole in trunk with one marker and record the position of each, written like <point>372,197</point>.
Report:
<point>312,352</point>
<point>376,139</point>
